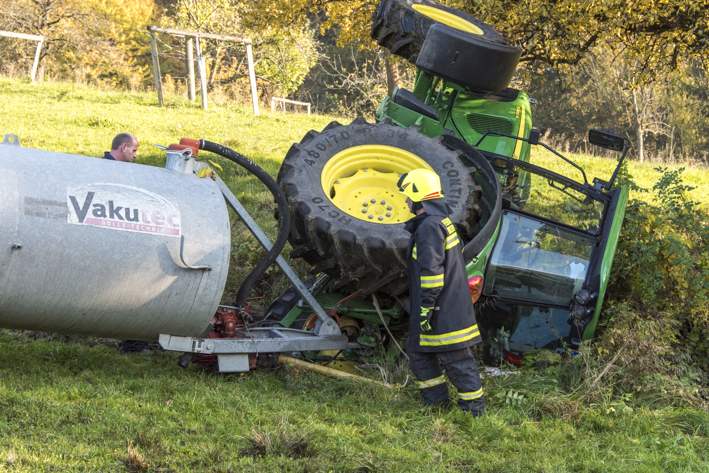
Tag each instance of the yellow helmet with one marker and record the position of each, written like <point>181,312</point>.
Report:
<point>420,184</point>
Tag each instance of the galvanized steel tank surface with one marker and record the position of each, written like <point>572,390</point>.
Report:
<point>92,246</point>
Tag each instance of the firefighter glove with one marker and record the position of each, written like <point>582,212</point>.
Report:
<point>426,315</point>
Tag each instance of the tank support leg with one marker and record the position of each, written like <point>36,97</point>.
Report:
<point>326,326</point>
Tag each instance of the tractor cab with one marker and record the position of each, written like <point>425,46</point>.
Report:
<point>545,274</point>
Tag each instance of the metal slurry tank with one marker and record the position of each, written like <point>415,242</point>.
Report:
<point>106,248</point>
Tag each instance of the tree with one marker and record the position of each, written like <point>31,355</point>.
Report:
<point>349,19</point>
<point>98,38</point>
<point>688,102</point>
<point>283,57</point>
<point>53,19</point>
<point>208,16</point>
<point>356,78</point>
<point>658,33</point>
<point>667,119</point>
<point>125,55</point>
<point>347,23</point>
<point>551,31</point>
<point>641,108</point>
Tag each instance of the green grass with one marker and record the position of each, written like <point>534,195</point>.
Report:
<point>77,405</point>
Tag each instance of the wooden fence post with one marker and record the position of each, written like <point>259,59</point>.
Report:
<point>190,37</point>
<point>36,60</point>
<point>189,62</point>
<point>252,77</point>
<point>202,66</point>
<point>156,67</point>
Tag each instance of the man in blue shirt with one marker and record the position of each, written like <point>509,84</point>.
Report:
<point>125,148</point>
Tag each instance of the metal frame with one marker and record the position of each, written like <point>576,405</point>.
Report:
<point>256,340</point>
<point>285,101</point>
<point>31,37</point>
<point>189,35</point>
<point>584,188</point>
<point>231,351</point>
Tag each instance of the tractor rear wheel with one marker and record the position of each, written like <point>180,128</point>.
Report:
<point>446,43</point>
<point>347,215</point>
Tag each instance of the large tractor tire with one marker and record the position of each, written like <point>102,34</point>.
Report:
<point>347,216</point>
<point>446,43</point>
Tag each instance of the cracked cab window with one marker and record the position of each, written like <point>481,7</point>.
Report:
<point>537,262</point>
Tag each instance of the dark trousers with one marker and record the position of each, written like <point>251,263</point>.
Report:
<point>134,345</point>
<point>461,370</point>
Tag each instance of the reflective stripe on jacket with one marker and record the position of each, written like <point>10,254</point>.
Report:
<point>437,279</point>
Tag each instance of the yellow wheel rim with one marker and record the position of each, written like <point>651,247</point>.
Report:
<point>310,323</point>
<point>361,181</point>
<point>446,18</point>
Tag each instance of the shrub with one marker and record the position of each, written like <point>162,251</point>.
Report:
<point>658,310</point>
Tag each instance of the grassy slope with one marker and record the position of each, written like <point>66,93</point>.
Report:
<point>77,405</point>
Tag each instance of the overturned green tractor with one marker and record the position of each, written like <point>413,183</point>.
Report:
<point>538,245</point>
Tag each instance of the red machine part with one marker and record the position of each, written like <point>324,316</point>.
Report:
<point>513,358</point>
<point>186,143</point>
<point>312,321</point>
<point>475,284</point>
<point>226,323</point>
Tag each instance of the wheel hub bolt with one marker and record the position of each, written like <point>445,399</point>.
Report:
<point>374,201</point>
<point>365,169</point>
<point>365,204</point>
<point>364,211</point>
<point>388,207</point>
<point>381,218</point>
<point>371,216</point>
<point>384,202</point>
<point>388,214</point>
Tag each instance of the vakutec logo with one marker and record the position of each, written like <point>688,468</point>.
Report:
<point>122,208</point>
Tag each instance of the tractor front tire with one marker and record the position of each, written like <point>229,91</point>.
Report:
<point>347,216</point>
<point>446,43</point>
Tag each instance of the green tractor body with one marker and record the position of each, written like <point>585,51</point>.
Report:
<point>525,304</point>
<point>467,115</point>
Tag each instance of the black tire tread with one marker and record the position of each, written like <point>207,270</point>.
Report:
<point>373,261</point>
<point>401,29</point>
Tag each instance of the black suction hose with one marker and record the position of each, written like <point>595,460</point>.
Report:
<point>283,215</point>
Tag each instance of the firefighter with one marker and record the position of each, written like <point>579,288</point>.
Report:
<point>442,318</point>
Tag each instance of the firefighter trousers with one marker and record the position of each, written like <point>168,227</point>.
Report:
<point>461,370</point>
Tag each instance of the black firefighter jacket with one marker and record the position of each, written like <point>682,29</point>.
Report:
<point>437,278</point>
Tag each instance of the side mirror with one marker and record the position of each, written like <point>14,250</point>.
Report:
<point>534,136</point>
<point>606,140</point>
